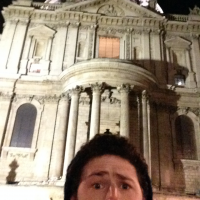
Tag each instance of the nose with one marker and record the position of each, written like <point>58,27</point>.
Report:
<point>112,193</point>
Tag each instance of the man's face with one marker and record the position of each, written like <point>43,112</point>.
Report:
<point>109,177</point>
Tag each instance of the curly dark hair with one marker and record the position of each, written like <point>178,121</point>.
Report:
<point>106,144</point>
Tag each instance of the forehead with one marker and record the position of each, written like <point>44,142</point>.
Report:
<point>109,164</point>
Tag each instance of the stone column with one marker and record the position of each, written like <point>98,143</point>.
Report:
<point>124,116</point>
<point>146,130</point>
<point>72,127</point>
<point>58,149</point>
<point>95,115</point>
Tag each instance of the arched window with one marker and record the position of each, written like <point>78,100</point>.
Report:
<point>185,137</point>
<point>24,126</point>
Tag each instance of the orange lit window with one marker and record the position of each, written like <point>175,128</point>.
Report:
<point>108,47</point>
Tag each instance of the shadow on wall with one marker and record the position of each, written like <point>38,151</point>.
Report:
<point>10,179</point>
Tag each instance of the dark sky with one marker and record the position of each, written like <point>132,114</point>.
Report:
<point>168,6</point>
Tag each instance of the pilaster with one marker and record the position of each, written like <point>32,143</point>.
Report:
<point>72,43</point>
<point>6,42</point>
<point>59,49</point>
<point>17,45</point>
<point>5,101</point>
<point>45,138</point>
<point>157,56</point>
<point>92,41</point>
<point>190,80</point>
<point>195,55</point>
<point>146,48</point>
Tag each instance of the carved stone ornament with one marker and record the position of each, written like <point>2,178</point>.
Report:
<point>97,87</point>
<point>51,98</point>
<point>18,153</point>
<point>47,98</point>
<point>64,96</point>
<point>28,98</point>
<point>111,10</point>
<point>5,96</point>
<point>124,88</point>
<point>76,91</point>
<point>185,110</point>
<point>195,11</point>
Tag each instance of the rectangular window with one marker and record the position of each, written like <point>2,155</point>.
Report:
<point>109,47</point>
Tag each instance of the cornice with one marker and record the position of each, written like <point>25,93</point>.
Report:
<point>132,6</point>
<point>17,12</point>
<point>182,27</point>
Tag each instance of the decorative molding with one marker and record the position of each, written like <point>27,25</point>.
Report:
<point>128,46</point>
<point>111,10</point>
<point>51,99</point>
<point>6,96</point>
<point>75,24</point>
<point>26,97</point>
<point>25,154</point>
<point>186,110</point>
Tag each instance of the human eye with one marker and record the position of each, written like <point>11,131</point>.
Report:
<point>125,186</point>
<point>97,186</point>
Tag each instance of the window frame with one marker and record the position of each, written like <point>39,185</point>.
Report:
<point>121,45</point>
<point>11,121</point>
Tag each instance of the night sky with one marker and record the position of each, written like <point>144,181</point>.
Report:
<point>168,6</point>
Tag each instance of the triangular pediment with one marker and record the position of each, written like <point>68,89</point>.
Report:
<point>178,42</point>
<point>113,8</point>
<point>41,31</point>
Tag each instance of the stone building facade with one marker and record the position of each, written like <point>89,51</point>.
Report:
<point>71,70</point>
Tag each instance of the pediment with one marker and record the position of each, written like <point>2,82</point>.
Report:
<point>177,42</point>
<point>113,8</point>
<point>41,31</point>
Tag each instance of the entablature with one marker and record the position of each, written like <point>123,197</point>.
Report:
<point>17,12</point>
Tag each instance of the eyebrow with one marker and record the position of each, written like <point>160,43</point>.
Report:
<point>102,173</point>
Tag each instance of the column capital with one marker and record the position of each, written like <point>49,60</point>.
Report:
<point>64,96</point>
<point>97,87</point>
<point>75,91</point>
<point>145,95</point>
<point>93,26</point>
<point>124,88</point>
